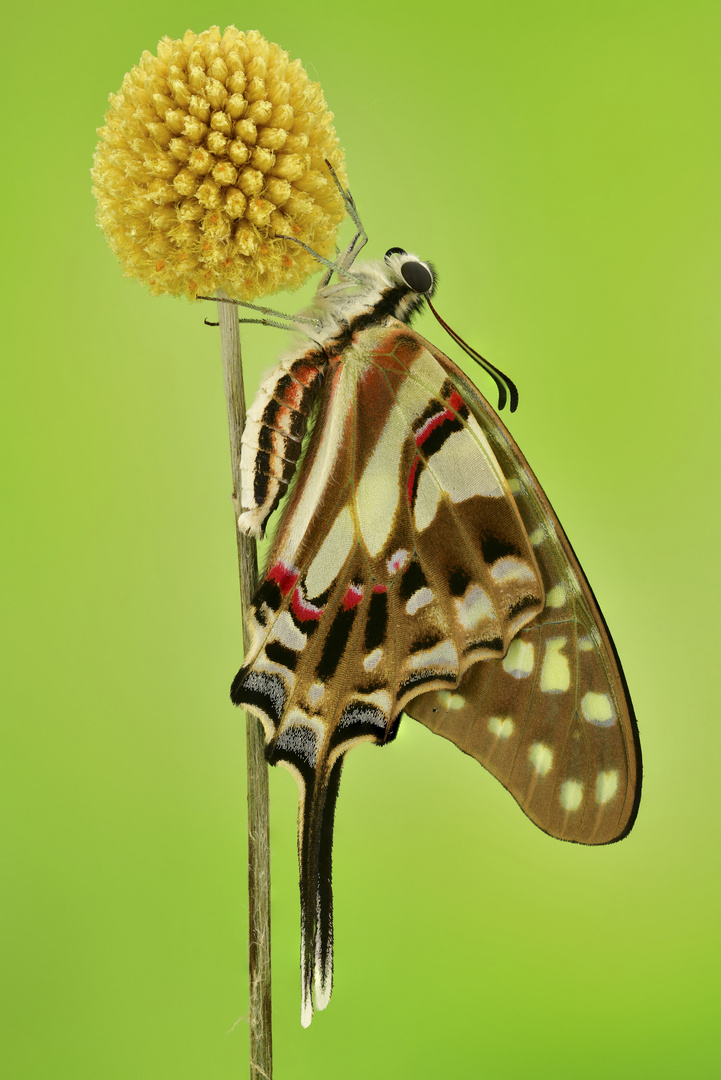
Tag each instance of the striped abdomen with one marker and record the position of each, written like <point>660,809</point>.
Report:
<point>273,436</point>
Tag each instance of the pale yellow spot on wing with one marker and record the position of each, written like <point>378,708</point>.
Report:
<point>571,795</point>
<point>501,726</point>
<point>378,489</point>
<point>537,536</point>
<point>555,671</point>
<point>519,659</point>
<point>464,469</point>
<point>331,556</point>
<point>450,700</point>
<point>541,757</point>
<point>606,786</point>
<point>556,597</point>
<point>428,496</point>
<point>514,485</point>
<point>585,644</point>
<point>474,607</point>
<point>598,709</point>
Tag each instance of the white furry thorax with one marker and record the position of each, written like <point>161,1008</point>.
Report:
<point>335,306</point>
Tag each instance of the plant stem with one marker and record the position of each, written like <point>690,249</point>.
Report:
<point>260,1011</point>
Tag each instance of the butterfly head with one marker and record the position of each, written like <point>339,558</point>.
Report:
<point>413,280</point>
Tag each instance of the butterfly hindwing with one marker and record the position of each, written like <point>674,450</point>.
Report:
<point>552,719</point>
<point>401,561</point>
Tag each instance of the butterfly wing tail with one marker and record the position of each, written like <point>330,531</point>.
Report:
<point>315,855</point>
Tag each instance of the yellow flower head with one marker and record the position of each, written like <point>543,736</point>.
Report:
<point>212,151</point>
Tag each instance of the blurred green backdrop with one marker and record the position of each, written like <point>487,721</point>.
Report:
<point>559,163</point>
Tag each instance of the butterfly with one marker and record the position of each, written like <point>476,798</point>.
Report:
<point>417,567</point>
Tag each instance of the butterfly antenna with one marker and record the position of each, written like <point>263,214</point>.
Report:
<point>506,387</point>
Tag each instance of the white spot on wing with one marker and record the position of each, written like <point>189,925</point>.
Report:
<point>331,555</point>
<point>397,561</point>
<point>373,659</point>
<point>571,795</point>
<point>315,693</point>
<point>598,709</point>
<point>519,659</point>
<point>606,786</point>
<point>419,600</point>
<point>441,655</point>
<point>555,671</point>
<point>511,568</point>
<point>501,726</point>
<point>287,633</point>
<point>541,757</point>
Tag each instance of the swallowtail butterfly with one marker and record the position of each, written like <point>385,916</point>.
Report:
<point>417,567</point>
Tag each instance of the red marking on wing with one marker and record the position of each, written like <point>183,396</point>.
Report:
<point>455,401</point>
<point>380,588</point>
<point>303,609</point>
<point>353,597</point>
<point>397,561</point>
<point>430,425</point>
<point>284,576</point>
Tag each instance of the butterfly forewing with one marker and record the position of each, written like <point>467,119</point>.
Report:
<point>552,719</point>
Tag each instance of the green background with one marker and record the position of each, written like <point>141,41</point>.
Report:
<point>559,163</point>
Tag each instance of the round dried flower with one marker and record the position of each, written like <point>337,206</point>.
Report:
<point>212,152</point>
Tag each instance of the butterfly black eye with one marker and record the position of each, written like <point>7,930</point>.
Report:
<point>417,275</point>
<point>393,251</point>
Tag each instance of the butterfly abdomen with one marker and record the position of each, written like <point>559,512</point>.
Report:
<point>273,436</point>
